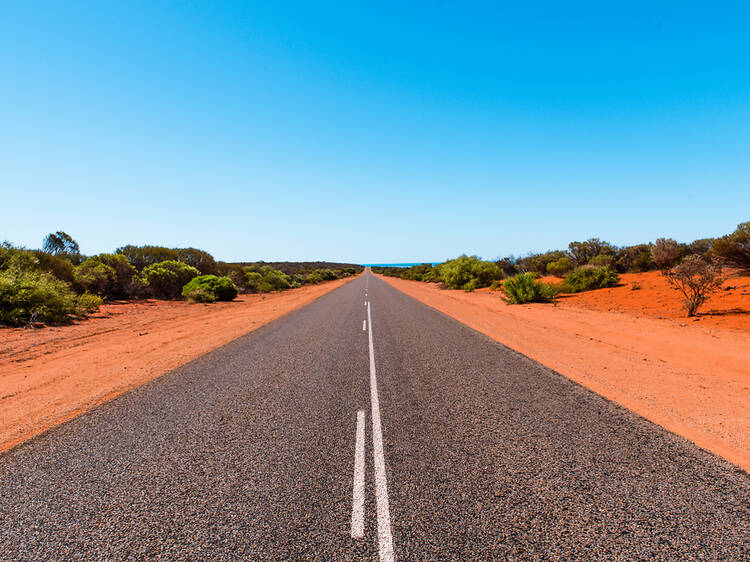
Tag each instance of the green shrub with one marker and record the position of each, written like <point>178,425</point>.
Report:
<point>96,277</point>
<point>538,263</point>
<point>88,303</point>
<point>58,265</point>
<point>126,281</point>
<point>559,268</point>
<point>313,278</point>
<point>326,274</point>
<point>523,288</point>
<point>166,279</point>
<point>602,260</point>
<point>468,273</point>
<point>209,288</point>
<point>589,277</point>
<point>32,295</point>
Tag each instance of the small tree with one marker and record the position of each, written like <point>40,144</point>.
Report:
<point>665,253</point>
<point>696,278</point>
<point>61,243</point>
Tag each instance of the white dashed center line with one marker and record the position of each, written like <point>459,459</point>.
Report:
<point>385,538</point>
<point>358,494</point>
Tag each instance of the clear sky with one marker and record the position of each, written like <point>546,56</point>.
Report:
<point>372,132</point>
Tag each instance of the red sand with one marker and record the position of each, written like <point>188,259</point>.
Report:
<point>633,347</point>
<point>50,375</point>
<point>729,308</point>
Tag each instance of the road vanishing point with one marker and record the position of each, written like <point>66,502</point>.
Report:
<point>367,426</point>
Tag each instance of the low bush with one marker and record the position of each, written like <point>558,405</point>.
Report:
<point>560,267</point>
<point>537,263</point>
<point>88,303</point>
<point>695,277</point>
<point>126,282</point>
<point>57,265</point>
<point>589,277</point>
<point>634,259</point>
<point>166,279</point>
<point>326,274</point>
<point>266,279</point>
<point>313,278</point>
<point>209,288</point>
<point>602,260</point>
<point>96,277</point>
<point>523,288</point>
<point>422,272</point>
<point>30,295</point>
<point>468,273</point>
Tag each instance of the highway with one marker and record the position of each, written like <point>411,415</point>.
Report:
<point>367,426</point>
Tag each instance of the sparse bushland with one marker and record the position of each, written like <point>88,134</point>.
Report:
<point>589,277</point>
<point>209,288</point>
<point>166,279</point>
<point>266,279</point>
<point>304,267</point>
<point>468,273</point>
<point>696,278</point>
<point>52,285</point>
<point>524,288</point>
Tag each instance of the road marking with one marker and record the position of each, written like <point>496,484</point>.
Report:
<point>385,539</point>
<point>364,325</point>
<point>358,491</point>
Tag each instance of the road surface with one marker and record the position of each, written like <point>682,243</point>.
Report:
<point>367,426</point>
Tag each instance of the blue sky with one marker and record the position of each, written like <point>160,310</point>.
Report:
<point>372,133</point>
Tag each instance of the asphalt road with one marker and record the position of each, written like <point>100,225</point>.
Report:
<point>249,453</point>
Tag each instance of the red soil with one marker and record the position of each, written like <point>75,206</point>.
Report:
<point>728,308</point>
<point>50,375</point>
<point>635,348</point>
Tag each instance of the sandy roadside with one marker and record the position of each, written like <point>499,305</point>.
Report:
<point>690,379</point>
<point>51,375</point>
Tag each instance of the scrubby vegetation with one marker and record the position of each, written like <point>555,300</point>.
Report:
<point>468,273</point>
<point>167,278</point>
<point>524,288</point>
<point>28,294</point>
<point>209,288</point>
<point>589,277</point>
<point>57,283</point>
<point>592,264</point>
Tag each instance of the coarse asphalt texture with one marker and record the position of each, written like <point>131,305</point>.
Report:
<point>247,453</point>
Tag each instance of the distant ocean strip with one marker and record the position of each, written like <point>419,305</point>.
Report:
<point>399,264</point>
